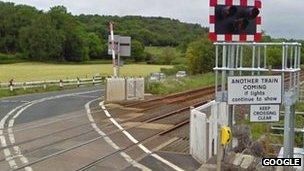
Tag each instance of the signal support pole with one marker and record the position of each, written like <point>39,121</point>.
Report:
<point>289,126</point>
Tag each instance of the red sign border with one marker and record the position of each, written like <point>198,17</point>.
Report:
<point>232,37</point>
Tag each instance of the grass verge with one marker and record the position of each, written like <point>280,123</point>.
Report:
<point>8,93</point>
<point>172,85</point>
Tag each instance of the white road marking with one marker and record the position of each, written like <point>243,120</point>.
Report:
<point>107,113</point>
<point>110,142</point>
<point>141,146</point>
<point>17,152</point>
<point>8,157</point>
<point>13,101</point>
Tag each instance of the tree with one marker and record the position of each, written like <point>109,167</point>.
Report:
<point>75,47</point>
<point>12,19</point>
<point>200,55</point>
<point>40,41</point>
<point>96,46</point>
<point>137,50</point>
<point>168,55</point>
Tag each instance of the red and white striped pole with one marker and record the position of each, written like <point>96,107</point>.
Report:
<point>113,49</point>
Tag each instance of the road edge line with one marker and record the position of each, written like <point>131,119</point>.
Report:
<point>109,141</point>
<point>135,141</point>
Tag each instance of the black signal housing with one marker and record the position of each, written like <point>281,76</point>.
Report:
<point>236,19</point>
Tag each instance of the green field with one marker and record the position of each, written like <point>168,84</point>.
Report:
<point>41,71</point>
<point>158,51</point>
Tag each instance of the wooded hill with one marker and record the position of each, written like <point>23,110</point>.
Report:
<point>57,35</point>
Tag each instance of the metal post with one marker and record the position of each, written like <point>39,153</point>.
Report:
<point>253,58</point>
<point>216,65</point>
<point>265,56</point>
<point>241,59</point>
<point>231,58</point>
<point>290,67</point>
<point>118,63</point>
<point>292,129</point>
<point>299,65</point>
<point>237,57</point>
<point>219,151</point>
<point>283,68</point>
<point>288,126</point>
<point>224,72</point>
<point>259,59</point>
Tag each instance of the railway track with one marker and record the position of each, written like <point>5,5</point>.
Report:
<point>173,98</point>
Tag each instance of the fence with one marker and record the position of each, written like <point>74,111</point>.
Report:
<point>11,85</point>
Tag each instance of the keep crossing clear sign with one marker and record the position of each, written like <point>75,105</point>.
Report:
<point>254,90</point>
<point>264,113</point>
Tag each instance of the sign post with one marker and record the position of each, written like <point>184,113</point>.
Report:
<point>120,45</point>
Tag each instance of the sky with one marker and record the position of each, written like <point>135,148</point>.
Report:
<point>281,18</point>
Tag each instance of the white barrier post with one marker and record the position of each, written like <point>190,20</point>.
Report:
<point>44,85</point>
<point>11,85</point>
<point>24,86</point>
<point>78,82</point>
<point>61,83</point>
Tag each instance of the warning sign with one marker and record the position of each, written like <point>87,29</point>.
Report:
<point>254,90</point>
<point>264,113</point>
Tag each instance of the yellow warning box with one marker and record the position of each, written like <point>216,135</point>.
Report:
<point>226,135</point>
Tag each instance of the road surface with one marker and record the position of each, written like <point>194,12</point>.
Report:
<point>73,130</point>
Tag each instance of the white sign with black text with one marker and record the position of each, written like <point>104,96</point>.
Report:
<point>254,90</point>
<point>264,113</point>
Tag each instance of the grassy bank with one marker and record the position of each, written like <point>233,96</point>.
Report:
<point>171,85</point>
<point>8,93</point>
<point>41,71</point>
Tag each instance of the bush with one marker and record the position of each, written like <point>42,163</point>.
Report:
<point>9,58</point>
<point>172,85</point>
<point>200,55</point>
<point>174,70</point>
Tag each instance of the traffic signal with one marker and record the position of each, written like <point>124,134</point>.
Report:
<point>237,20</point>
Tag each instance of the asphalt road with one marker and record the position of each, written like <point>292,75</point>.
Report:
<point>72,130</point>
<point>50,108</point>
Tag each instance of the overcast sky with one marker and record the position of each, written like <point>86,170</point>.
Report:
<point>281,18</point>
